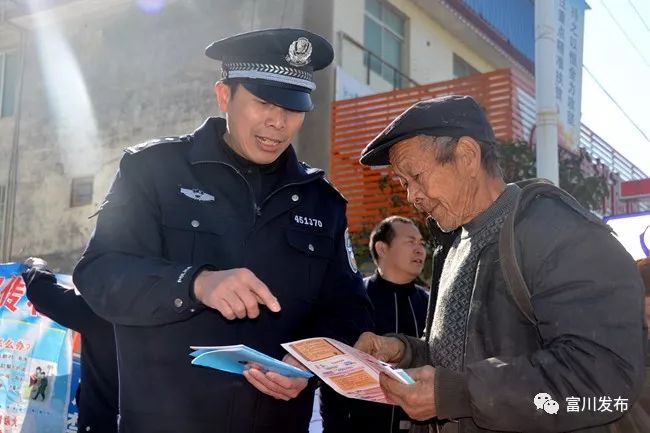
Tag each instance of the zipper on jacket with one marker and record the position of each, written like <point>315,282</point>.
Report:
<point>392,415</point>
<point>415,320</point>
<point>257,210</point>
<point>396,314</point>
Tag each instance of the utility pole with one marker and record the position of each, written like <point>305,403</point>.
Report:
<point>545,55</point>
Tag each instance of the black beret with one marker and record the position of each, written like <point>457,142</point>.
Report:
<point>446,116</point>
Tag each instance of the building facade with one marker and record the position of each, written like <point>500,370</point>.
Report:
<point>80,80</point>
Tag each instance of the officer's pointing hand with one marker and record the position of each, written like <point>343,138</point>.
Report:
<point>235,293</point>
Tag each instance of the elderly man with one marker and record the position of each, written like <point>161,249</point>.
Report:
<point>481,365</point>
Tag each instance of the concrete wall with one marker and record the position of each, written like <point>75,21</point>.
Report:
<point>97,82</point>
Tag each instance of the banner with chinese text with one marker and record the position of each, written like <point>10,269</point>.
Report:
<point>568,70</point>
<point>35,362</point>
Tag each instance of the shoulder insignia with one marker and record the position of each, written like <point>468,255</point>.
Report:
<point>147,144</point>
<point>331,185</point>
<point>311,170</point>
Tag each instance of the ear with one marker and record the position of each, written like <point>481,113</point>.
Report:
<point>468,156</point>
<point>381,247</point>
<point>222,92</point>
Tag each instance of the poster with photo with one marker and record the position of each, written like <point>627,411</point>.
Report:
<point>35,362</point>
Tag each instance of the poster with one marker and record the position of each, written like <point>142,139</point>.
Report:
<point>35,362</point>
<point>568,70</point>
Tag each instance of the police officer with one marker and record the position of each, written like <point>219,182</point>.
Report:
<point>223,237</point>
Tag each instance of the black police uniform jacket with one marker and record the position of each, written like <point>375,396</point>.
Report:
<point>178,206</point>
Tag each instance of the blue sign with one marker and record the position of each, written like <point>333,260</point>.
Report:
<point>35,362</point>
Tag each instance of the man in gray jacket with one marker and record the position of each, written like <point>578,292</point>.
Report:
<point>481,365</point>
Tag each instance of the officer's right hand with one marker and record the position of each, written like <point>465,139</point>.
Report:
<point>387,349</point>
<point>235,293</point>
<point>36,262</point>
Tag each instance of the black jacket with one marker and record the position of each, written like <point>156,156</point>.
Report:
<point>589,342</point>
<point>178,206</point>
<point>397,308</point>
<point>97,394</point>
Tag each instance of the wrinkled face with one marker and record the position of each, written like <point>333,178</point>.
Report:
<point>406,252</point>
<point>257,130</point>
<point>444,191</point>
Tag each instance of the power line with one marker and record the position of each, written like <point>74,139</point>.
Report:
<point>616,103</point>
<point>638,15</point>
<point>625,33</point>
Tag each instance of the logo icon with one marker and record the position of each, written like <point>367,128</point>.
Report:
<point>551,407</point>
<point>545,402</point>
<point>299,52</point>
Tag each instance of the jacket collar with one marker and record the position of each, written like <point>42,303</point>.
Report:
<point>383,284</point>
<point>209,147</point>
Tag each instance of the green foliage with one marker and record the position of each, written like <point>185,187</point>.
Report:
<point>517,161</point>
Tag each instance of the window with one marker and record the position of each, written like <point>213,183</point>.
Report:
<point>462,68</point>
<point>8,82</point>
<point>81,192</point>
<point>383,35</point>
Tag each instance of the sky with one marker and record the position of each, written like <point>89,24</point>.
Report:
<point>623,72</point>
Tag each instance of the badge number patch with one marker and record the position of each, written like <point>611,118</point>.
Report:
<point>348,247</point>
<point>303,220</point>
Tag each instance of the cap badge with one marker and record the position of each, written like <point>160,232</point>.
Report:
<point>299,52</point>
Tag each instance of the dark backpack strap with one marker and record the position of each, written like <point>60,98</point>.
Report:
<point>530,190</point>
<point>510,264</point>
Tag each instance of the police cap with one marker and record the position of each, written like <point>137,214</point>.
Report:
<point>276,65</point>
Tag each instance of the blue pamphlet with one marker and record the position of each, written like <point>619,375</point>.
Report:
<point>404,375</point>
<point>234,359</point>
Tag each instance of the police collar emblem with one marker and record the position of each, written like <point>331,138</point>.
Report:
<point>299,52</point>
<point>197,194</point>
<point>348,247</point>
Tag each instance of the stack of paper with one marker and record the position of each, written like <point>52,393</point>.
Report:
<point>234,359</point>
